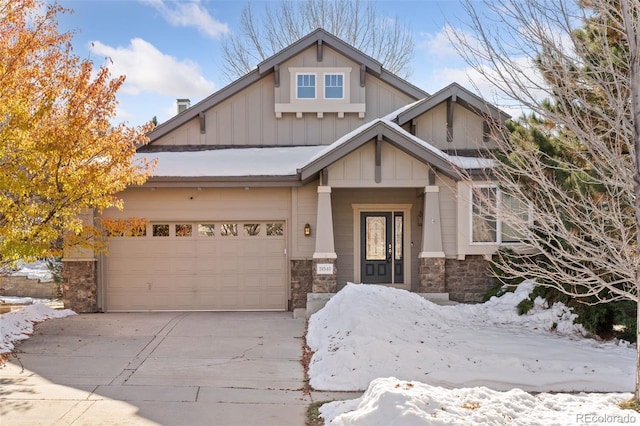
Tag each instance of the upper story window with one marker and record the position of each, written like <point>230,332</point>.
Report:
<point>334,86</point>
<point>306,86</point>
<point>491,211</point>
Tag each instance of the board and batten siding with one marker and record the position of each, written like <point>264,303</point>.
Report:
<point>467,128</point>
<point>398,169</point>
<point>248,117</point>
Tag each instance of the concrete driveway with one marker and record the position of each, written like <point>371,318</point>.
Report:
<point>170,368</point>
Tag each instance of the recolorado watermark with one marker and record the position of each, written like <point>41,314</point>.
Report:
<point>606,419</point>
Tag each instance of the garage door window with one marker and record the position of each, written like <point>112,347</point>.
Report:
<point>183,230</point>
<point>229,229</point>
<point>160,230</point>
<point>206,229</point>
<point>251,229</point>
<point>275,230</point>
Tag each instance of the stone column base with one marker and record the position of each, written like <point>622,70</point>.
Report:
<point>432,277</point>
<point>301,281</point>
<point>324,273</point>
<point>79,285</point>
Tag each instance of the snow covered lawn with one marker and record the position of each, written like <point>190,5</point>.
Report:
<point>366,332</point>
<point>18,325</point>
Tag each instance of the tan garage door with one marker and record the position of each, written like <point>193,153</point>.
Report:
<point>198,266</point>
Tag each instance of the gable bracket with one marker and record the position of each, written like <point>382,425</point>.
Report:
<point>276,72</point>
<point>203,123</point>
<point>450,103</point>
<point>363,74</point>
<point>319,51</point>
<point>378,168</point>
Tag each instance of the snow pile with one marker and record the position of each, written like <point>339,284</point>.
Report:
<point>389,401</point>
<point>366,331</point>
<point>37,270</point>
<point>18,325</point>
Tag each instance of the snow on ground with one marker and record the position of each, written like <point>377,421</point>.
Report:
<point>366,332</point>
<point>18,325</point>
<point>390,401</point>
<point>37,270</point>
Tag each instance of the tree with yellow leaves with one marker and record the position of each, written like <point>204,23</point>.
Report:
<point>59,154</point>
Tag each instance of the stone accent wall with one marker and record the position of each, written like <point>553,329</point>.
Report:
<point>79,285</point>
<point>467,280</point>
<point>24,287</point>
<point>324,283</point>
<point>301,282</point>
<point>432,275</point>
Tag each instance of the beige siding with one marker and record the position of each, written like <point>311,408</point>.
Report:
<point>248,117</point>
<point>448,215</point>
<point>204,204</point>
<point>305,210</point>
<point>467,128</point>
<point>342,209</point>
<point>397,169</point>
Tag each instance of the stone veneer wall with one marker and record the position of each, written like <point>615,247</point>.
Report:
<point>432,275</point>
<point>79,285</point>
<point>324,283</point>
<point>24,287</point>
<point>467,280</point>
<point>301,282</point>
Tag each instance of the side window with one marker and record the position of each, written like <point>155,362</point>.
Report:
<point>306,86</point>
<point>333,86</point>
<point>483,218</point>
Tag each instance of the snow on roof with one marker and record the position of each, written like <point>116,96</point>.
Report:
<point>234,162</point>
<point>281,161</point>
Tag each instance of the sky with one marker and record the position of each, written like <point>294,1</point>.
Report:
<point>172,49</point>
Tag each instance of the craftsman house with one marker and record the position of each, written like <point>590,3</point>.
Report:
<point>316,169</point>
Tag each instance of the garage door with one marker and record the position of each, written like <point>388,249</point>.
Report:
<point>198,266</point>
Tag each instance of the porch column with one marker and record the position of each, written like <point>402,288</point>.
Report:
<point>324,258</point>
<point>431,257</point>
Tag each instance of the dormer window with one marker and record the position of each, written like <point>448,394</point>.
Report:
<point>334,86</point>
<point>306,86</point>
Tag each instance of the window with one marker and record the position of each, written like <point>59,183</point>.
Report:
<point>333,86</point>
<point>229,230</point>
<point>251,229</point>
<point>160,230</point>
<point>306,86</point>
<point>183,230</point>
<point>206,229</point>
<point>275,230</point>
<point>490,213</point>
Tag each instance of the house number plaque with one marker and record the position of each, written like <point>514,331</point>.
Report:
<point>324,268</point>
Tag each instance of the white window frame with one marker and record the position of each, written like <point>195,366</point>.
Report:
<point>499,219</point>
<point>324,85</point>
<point>315,87</point>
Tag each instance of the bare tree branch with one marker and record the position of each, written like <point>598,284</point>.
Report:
<point>356,22</point>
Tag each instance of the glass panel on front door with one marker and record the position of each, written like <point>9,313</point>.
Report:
<point>382,247</point>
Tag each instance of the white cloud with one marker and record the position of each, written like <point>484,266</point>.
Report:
<point>149,70</point>
<point>190,14</point>
<point>438,44</point>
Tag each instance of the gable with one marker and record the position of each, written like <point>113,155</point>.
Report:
<point>248,117</point>
<point>245,113</point>
<point>398,169</point>
<point>467,129</point>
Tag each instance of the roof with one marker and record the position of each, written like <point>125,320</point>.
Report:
<point>293,165</point>
<point>460,95</point>
<point>267,67</point>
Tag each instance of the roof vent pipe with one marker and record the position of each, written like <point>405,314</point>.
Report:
<point>183,104</point>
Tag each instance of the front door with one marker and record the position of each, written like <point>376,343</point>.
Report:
<point>382,248</point>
